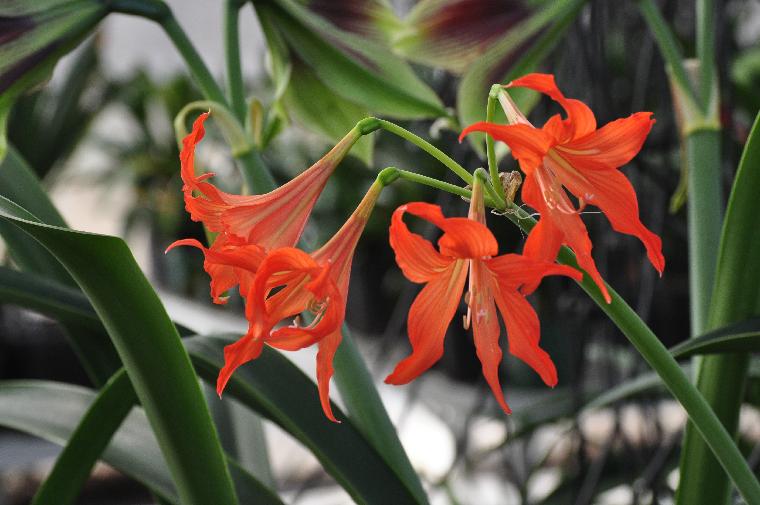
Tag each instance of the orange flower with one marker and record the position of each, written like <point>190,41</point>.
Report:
<point>257,222</point>
<point>317,283</point>
<point>572,154</point>
<point>495,281</point>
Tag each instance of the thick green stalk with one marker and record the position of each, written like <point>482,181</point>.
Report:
<point>668,45</point>
<point>736,297</point>
<point>235,88</point>
<point>258,179</point>
<point>705,50</point>
<point>195,64</point>
<point>705,215</point>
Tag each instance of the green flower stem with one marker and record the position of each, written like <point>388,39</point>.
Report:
<point>258,178</point>
<point>235,89</point>
<point>705,50</point>
<point>700,413</point>
<point>195,64</point>
<point>668,45</point>
<point>705,215</point>
<point>493,165</point>
<point>425,146</point>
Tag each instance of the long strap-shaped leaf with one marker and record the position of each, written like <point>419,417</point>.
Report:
<point>52,411</point>
<point>89,440</point>
<point>19,184</point>
<point>278,390</point>
<point>150,348</point>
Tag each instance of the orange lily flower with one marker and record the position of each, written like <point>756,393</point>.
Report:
<point>495,282</point>
<point>317,283</point>
<point>572,154</point>
<point>257,222</point>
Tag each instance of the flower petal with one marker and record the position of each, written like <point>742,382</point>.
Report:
<point>580,119</point>
<point>486,328</point>
<point>515,270</point>
<point>244,350</point>
<point>228,263</point>
<point>612,192</point>
<point>524,333</point>
<point>464,238</point>
<point>416,256</point>
<point>528,144</point>
<point>611,146</point>
<point>557,226</point>
<point>429,316</point>
<point>325,370</point>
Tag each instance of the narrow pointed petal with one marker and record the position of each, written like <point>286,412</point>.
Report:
<point>429,316</point>
<point>244,350</point>
<point>416,256</point>
<point>327,348</point>
<point>580,119</point>
<point>514,270</point>
<point>528,144</point>
<point>486,328</point>
<point>611,146</point>
<point>524,333</point>
<point>559,226</point>
<point>611,191</point>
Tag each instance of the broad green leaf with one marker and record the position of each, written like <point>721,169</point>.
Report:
<point>352,66</point>
<point>452,34</point>
<point>319,109</point>
<point>342,450</point>
<point>35,34</point>
<point>742,337</point>
<point>520,51</point>
<point>149,347</point>
<point>52,411</point>
<point>89,341</point>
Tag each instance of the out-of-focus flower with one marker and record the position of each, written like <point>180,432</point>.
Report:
<point>249,225</point>
<point>33,36</point>
<point>495,281</point>
<point>573,154</point>
<point>288,282</point>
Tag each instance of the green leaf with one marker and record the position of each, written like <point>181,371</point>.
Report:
<point>36,33</point>
<point>52,411</point>
<point>735,298</point>
<point>87,442</point>
<point>319,109</point>
<point>520,51</point>
<point>352,66</point>
<point>742,337</point>
<point>342,450</point>
<point>149,347</point>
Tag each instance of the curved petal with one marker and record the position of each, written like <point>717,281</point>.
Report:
<point>528,144</point>
<point>612,192</point>
<point>429,316</point>
<point>515,270</point>
<point>244,350</point>
<point>486,328</point>
<point>524,333</point>
<point>557,227</point>
<point>464,238</point>
<point>416,256</point>
<point>228,263</point>
<point>609,147</point>
<point>580,119</point>
<point>327,348</point>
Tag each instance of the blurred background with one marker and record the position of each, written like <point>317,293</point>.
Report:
<point>100,136</point>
